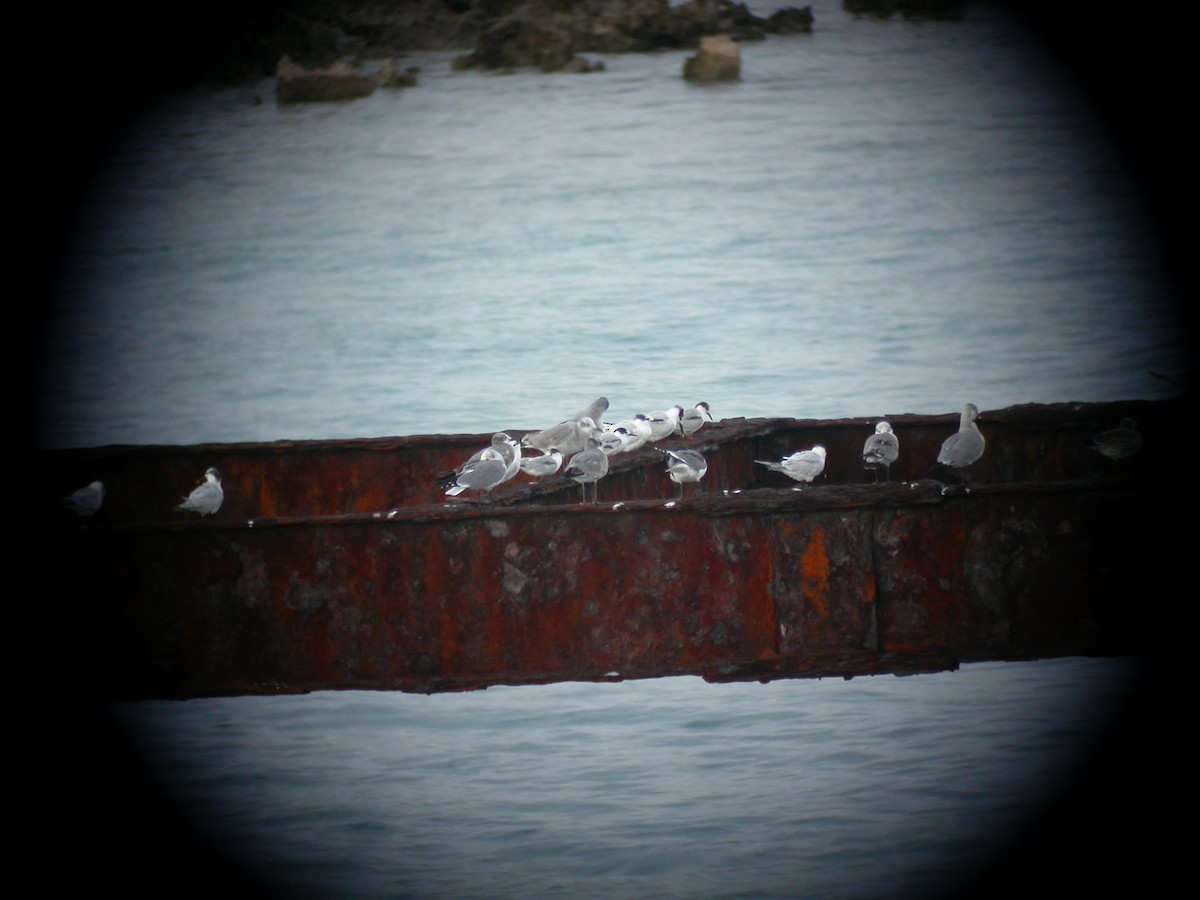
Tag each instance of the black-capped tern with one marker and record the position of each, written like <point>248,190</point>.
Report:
<point>207,497</point>
<point>803,465</point>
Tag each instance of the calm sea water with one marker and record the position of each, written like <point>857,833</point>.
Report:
<point>874,787</point>
<point>882,217</point>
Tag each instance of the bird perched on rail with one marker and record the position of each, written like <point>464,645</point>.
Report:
<point>803,465</point>
<point>634,433</point>
<point>693,419</point>
<point>965,446</point>
<point>480,471</point>
<point>509,450</point>
<point>207,497</point>
<point>87,500</point>
<point>666,423</point>
<point>594,410</point>
<point>685,466</point>
<point>567,437</point>
<point>1118,443</point>
<point>881,449</point>
<point>588,466</point>
<point>541,466</point>
<point>483,472</point>
<point>614,440</point>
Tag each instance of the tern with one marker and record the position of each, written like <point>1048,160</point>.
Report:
<point>541,466</point>
<point>685,466</point>
<point>664,424</point>
<point>694,418</point>
<point>86,501</point>
<point>637,432</point>
<point>615,441</point>
<point>206,498</point>
<point>803,465</point>
<point>1120,442</point>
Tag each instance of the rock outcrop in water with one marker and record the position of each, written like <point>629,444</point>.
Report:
<point>718,59</point>
<point>244,42</point>
<point>342,80</point>
<point>550,34</point>
<point>791,20</point>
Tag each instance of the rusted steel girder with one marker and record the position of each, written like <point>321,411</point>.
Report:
<point>745,579</point>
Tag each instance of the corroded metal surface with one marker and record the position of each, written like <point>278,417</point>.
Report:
<point>341,565</point>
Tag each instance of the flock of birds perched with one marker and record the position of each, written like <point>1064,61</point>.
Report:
<point>586,447</point>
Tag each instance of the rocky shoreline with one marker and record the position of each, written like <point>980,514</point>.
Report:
<point>549,35</point>
<point>336,55</point>
<point>334,48</point>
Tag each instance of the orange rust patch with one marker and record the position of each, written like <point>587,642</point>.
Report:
<point>815,567</point>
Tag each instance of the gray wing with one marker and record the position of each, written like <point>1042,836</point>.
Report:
<point>205,499</point>
<point>87,500</point>
<point>961,449</point>
<point>804,466</point>
<point>881,449</point>
<point>594,410</point>
<point>588,465</point>
<point>691,458</point>
<point>540,466</point>
<point>483,475</point>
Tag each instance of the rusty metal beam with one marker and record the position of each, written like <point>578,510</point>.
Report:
<point>385,585</point>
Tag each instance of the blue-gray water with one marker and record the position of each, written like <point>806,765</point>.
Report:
<point>882,217</point>
<point>874,787</point>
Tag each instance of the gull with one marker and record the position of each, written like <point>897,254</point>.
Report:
<point>541,466</point>
<point>803,465</point>
<point>86,501</point>
<point>965,446</point>
<point>567,437</point>
<point>206,498</point>
<point>1120,442</point>
<point>685,466</point>
<point>594,410</point>
<point>881,449</point>
<point>588,466</point>
<point>663,424</point>
<point>694,418</point>
<point>482,472</point>
<point>508,449</point>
